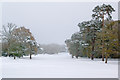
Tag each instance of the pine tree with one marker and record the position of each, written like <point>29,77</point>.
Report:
<point>100,12</point>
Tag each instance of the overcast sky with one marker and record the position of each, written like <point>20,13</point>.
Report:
<point>50,22</point>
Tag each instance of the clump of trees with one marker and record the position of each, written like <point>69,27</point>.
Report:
<point>18,41</point>
<point>97,38</point>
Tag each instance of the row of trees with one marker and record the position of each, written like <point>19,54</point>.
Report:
<point>18,41</point>
<point>97,37</point>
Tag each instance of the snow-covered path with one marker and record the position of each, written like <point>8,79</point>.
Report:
<point>57,66</point>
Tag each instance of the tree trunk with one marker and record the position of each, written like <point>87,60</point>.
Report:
<point>30,52</point>
<point>77,56</point>
<point>93,48</point>
<point>102,56</point>
<point>30,56</point>
<point>92,57</point>
<point>77,48</point>
<point>8,48</point>
<point>14,57</point>
<point>103,38</point>
<point>106,59</point>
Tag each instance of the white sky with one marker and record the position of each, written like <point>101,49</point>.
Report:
<point>50,22</point>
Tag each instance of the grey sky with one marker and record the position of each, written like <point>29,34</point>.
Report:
<point>50,22</point>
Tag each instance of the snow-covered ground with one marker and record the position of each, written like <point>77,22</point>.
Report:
<point>58,66</point>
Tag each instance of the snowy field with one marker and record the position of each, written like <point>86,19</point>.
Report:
<point>58,66</point>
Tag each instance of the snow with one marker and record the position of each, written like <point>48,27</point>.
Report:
<point>58,66</point>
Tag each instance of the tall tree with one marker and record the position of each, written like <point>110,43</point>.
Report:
<point>111,46</point>
<point>100,13</point>
<point>7,35</point>
<point>89,33</point>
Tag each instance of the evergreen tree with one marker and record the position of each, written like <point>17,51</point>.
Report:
<point>100,12</point>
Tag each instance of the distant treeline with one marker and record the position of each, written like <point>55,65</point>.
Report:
<point>52,48</point>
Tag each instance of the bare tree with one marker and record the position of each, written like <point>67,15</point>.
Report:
<point>7,35</point>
